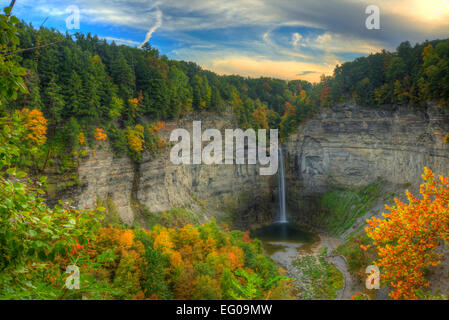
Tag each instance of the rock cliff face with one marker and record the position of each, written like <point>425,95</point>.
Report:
<point>352,146</point>
<point>160,185</point>
<point>343,145</point>
<point>106,177</point>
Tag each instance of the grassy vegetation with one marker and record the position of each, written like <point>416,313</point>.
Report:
<point>173,218</point>
<point>358,260</point>
<point>322,279</point>
<point>341,208</point>
<point>112,217</point>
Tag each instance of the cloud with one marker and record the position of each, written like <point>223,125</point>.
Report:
<point>304,73</point>
<point>336,43</point>
<point>282,32</point>
<point>288,70</point>
<point>121,41</point>
<point>296,37</point>
<point>401,19</point>
<point>156,26</point>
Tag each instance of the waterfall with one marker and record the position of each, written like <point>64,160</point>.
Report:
<point>281,184</point>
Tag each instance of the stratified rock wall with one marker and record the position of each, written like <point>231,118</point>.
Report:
<point>352,146</point>
<point>160,185</point>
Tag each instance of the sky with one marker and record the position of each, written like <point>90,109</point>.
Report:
<point>287,39</point>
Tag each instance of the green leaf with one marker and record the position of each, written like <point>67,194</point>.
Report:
<point>21,174</point>
<point>14,20</point>
<point>32,233</point>
<point>9,235</point>
<point>51,256</point>
<point>42,255</point>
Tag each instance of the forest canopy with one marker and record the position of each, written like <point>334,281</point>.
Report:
<point>82,83</point>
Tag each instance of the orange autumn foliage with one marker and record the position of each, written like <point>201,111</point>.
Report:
<point>235,257</point>
<point>407,239</point>
<point>160,125</point>
<point>302,95</point>
<point>35,125</point>
<point>155,143</point>
<point>189,262</point>
<point>134,105</point>
<point>134,102</point>
<point>100,134</point>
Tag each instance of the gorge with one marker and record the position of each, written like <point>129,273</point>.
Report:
<point>344,145</point>
<point>92,174</point>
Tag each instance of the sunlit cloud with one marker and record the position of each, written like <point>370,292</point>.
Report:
<point>288,70</point>
<point>431,13</point>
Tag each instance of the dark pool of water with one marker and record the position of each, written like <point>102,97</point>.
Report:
<point>285,232</point>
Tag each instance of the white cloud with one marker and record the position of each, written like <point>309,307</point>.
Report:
<point>337,44</point>
<point>296,37</point>
<point>121,41</point>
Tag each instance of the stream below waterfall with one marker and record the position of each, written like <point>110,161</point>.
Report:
<point>306,257</point>
<point>286,243</point>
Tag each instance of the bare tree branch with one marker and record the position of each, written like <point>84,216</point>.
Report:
<point>11,5</point>
<point>33,48</point>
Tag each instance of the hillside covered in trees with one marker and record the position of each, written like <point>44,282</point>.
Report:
<point>83,84</point>
<point>179,260</point>
<point>59,93</point>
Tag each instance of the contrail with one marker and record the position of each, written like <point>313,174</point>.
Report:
<point>156,26</point>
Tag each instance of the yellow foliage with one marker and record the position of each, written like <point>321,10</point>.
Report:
<point>35,125</point>
<point>81,138</point>
<point>162,241</point>
<point>260,116</point>
<point>136,138</point>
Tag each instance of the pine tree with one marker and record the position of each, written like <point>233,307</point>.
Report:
<point>54,102</point>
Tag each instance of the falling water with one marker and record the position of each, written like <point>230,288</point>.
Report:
<point>281,183</point>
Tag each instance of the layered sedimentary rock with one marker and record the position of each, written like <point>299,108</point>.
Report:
<point>343,145</point>
<point>160,185</point>
<point>352,146</point>
<point>106,177</point>
<point>163,185</point>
